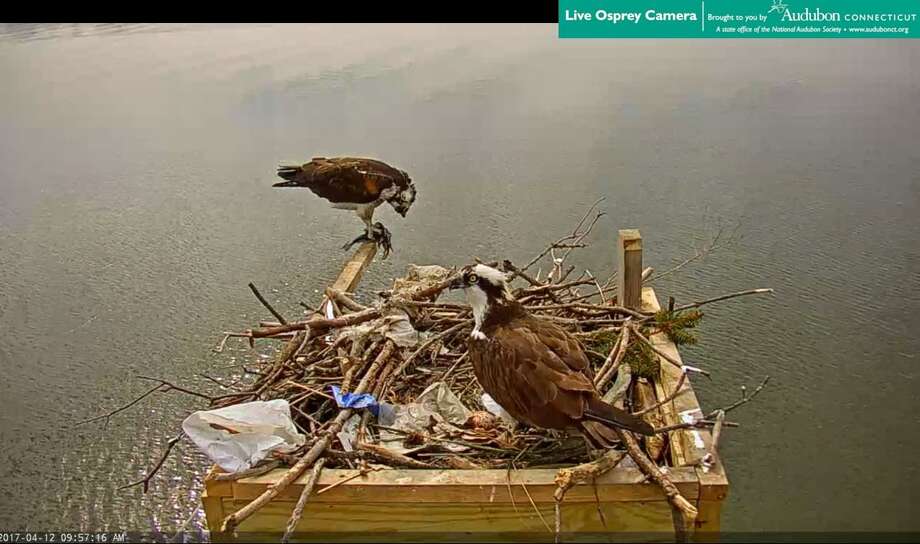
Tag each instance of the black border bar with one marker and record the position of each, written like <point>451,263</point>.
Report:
<point>281,11</point>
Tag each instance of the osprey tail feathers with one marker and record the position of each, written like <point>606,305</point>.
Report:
<point>598,434</point>
<point>288,173</point>
<point>601,412</point>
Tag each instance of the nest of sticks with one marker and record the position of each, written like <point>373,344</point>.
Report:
<point>338,344</point>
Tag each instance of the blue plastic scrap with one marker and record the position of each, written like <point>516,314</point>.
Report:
<point>351,400</point>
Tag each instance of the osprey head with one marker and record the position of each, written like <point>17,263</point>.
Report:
<point>485,288</point>
<point>403,199</point>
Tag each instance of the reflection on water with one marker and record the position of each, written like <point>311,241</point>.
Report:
<point>136,161</point>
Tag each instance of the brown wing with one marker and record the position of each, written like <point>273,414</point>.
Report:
<point>537,379</point>
<point>344,179</point>
<point>563,344</point>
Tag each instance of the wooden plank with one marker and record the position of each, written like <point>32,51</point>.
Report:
<point>397,521</point>
<point>437,486</point>
<point>708,521</point>
<point>351,274</point>
<point>217,488</point>
<point>629,270</point>
<point>353,270</point>
<point>713,484</point>
<point>646,396</point>
<point>684,443</point>
<point>213,511</point>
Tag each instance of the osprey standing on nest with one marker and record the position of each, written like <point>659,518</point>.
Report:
<point>534,369</point>
<point>355,184</point>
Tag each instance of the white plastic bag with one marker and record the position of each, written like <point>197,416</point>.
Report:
<point>395,326</point>
<point>238,437</point>
<point>436,401</point>
<point>497,409</point>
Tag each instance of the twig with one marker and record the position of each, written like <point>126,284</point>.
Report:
<point>317,325</point>
<point>390,456</point>
<point>712,457</point>
<point>613,359</point>
<point>361,472</point>
<point>344,300</point>
<point>123,408</point>
<point>576,236</point>
<point>223,342</point>
<point>600,290</point>
<point>687,511</point>
<point>447,372</point>
<point>699,424</point>
<point>646,273</point>
<point>265,303</point>
<point>669,398</point>
<point>146,479</point>
<point>302,501</point>
<point>568,477</point>
<point>723,297</point>
<point>171,386</point>
<point>218,382</point>
<point>515,272</point>
<point>701,252</point>
<point>744,400</point>
<point>310,389</point>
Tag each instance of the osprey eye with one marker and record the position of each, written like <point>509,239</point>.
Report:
<point>472,278</point>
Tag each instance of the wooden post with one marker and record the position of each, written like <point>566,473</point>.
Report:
<point>351,274</point>
<point>629,272</point>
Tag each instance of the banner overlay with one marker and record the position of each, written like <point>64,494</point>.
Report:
<point>739,19</point>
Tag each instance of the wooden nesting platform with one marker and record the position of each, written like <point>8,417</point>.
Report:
<point>402,505</point>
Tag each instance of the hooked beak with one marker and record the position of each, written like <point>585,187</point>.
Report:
<point>456,284</point>
<point>402,212</point>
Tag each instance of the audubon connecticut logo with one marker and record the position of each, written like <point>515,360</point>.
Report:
<point>805,15</point>
<point>778,6</point>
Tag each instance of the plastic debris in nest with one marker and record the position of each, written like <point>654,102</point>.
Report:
<point>396,326</point>
<point>495,408</point>
<point>238,437</point>
<point>355,400</point>
<point>349,433</point>
<point>435,411</point>
<point>418,278</point>
<point>439,414</point>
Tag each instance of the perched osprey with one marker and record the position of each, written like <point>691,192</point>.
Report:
<point>355,184</point>
<point>534,369</point>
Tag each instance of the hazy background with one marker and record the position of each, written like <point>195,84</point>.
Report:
<point>135,164</point>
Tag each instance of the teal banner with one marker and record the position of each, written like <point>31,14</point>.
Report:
<point>739,19</point>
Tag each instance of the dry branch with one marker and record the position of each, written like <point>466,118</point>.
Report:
<point>302,501</point>
<point>265,303</point>
<point>723,297</point>
<point>156,468</point>
<point>687,511</point>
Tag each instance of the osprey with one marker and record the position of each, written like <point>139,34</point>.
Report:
<point>534,369</point>
<point>355,184</point>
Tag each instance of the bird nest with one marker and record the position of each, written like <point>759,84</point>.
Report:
<point>405,357</point>
<point>408,352</point>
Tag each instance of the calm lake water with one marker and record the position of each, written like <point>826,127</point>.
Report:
<point>135,164</point>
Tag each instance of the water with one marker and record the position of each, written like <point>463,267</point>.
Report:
<point>136,162</point>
